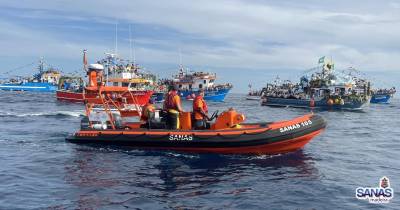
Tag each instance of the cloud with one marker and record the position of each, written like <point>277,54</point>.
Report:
<point>217,34</point>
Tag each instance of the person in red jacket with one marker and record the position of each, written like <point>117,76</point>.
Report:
<point>200,111</point>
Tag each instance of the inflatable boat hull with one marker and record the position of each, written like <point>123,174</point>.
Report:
<point>265,138</point>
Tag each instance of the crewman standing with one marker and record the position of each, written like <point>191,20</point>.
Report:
<point>200,110</point>
<point>172,105</point>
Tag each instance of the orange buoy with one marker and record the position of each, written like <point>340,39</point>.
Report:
<point>330,102</point>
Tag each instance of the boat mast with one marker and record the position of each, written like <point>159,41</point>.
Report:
<point>41,64</point>
<point>132,47</point>
<point>277,80</point>
<point>180,63</point>
<point>116,37</point>
<point>85,62</point>
<point>180,58</point>
<point>115,51</point>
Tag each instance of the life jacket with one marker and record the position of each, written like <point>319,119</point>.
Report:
<point>170,103</point>
<point>197,103</point>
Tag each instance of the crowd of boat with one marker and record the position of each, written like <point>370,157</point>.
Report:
<point>117,93</point>
<point>323,87</point>
<point>115,71</point>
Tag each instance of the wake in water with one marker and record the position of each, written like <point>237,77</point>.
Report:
<point>77,113</point>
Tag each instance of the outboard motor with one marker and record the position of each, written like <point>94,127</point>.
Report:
<point>228,119</point>
<point>100,126</point>
<point>95,125</point>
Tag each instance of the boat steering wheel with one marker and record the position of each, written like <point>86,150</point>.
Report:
<point>214,115</point>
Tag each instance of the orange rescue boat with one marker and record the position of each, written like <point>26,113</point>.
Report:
<point>226,135</point>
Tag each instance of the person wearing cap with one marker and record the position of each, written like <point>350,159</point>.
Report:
<point>200,111</point>
<point>172,105</point>
<point>147,110</point>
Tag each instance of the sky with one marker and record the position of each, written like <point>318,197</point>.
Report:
<point>244,42</point>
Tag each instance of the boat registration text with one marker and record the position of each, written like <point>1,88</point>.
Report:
<point>295,126</point>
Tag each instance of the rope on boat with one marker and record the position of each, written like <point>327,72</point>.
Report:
<point>18,68</point>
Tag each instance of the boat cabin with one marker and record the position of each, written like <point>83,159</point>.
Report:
<point>132,84</point>
<point>71,83</point>
<point>50,76</point>
<point>123,72</point>
<point>194,81</point>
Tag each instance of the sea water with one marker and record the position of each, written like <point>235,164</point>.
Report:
<point>39,169</point>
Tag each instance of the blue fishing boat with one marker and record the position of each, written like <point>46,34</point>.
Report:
<point>158,96</point>
<point>214,94</point>
<point>189,84</point>
<point>324,89</point>
<point>382,96</point>
<point>29,86</point>
<point>378,96</point>
<point>43,81</point>
<point>344,104</point>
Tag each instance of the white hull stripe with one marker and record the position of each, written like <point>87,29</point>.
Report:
<point>8,86</point>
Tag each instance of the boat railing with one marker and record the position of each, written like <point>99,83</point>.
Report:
<point>111,99</point>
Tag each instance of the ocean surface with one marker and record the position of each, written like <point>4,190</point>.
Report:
<point>40,170</point>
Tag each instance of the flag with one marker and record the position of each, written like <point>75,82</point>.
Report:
<point>321,60</point>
